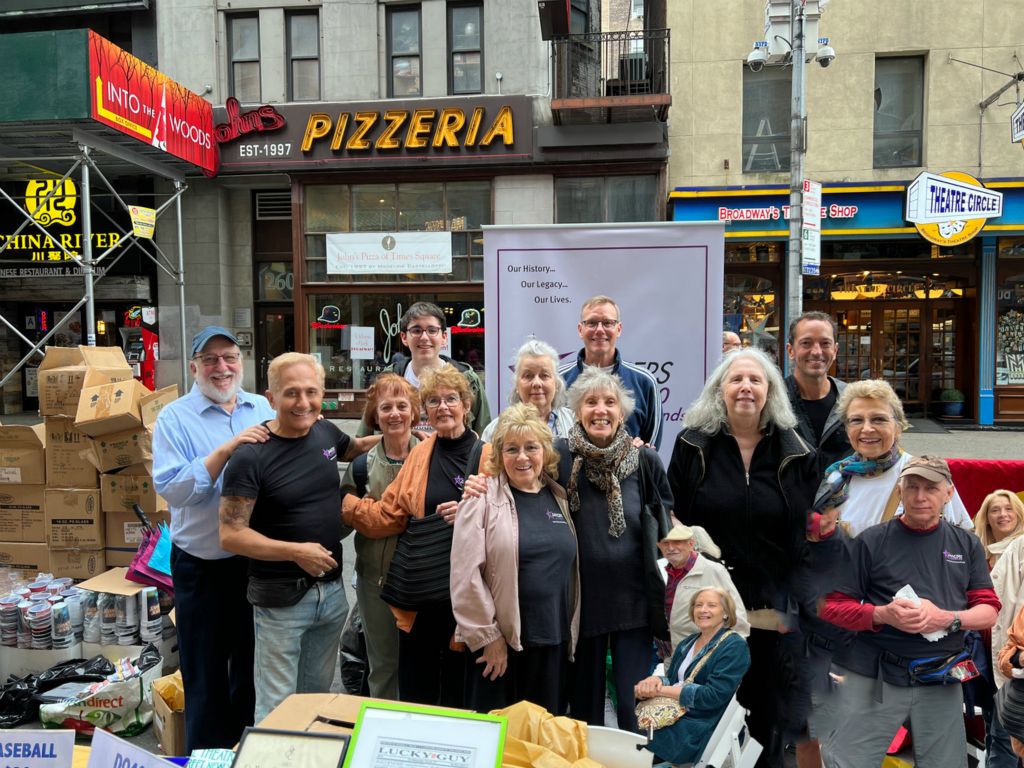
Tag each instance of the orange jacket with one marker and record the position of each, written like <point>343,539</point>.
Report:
<point>1014,643</point>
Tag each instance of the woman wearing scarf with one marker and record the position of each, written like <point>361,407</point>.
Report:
<point>601,470</point>
<point>860,490</point>
<point>741,470</point>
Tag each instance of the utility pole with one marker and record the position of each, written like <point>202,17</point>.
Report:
<point>797,151</point>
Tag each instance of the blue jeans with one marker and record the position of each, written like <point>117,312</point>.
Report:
<point>998,752</point>
<point>297,646</point>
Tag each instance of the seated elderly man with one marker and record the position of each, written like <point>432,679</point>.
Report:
<point>687,572</point>
<point>902,662</point>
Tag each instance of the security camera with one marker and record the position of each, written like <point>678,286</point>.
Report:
<point>757,58</point>
<point>826,55</point>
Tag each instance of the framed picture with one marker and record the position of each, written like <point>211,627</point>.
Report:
<point>391,734</point>
<point>271,748</point>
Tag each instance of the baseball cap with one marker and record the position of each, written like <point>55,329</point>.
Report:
<point>200,339</point>
<point>929,467</point>
<point>679,532</point>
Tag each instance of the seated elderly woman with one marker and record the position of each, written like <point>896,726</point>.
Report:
<point>535,380</point>
<point>705,671</point>
<point>861,490</point>
<point>515,583</point>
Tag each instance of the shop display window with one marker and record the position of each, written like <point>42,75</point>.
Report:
<point>754,252</point>
<point>1010,328</point>
<point>750,309</point>
<point>873,284</point>
<point>334,317</point>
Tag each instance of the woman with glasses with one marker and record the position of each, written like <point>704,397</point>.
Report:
<point>429,483</point>
<point>535,380</point>
<point>860,490</point>
<point>515,584</point>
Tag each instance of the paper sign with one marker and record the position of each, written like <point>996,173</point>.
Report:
<point>108,751</point>
<point>37,749</point>
<point>812,204</point>
<point>810,251</point>
<point>143,221</point>
<point>362,342</point>
<point>413,253</point>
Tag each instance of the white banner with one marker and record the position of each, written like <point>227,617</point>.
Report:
<point>360,253</point>
<point>666,278</point>
<point>362,342</point>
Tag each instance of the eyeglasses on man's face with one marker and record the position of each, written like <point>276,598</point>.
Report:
<point>211,360</point>
<point>593,325</point>
<point>430,330</point>
<point>450,400</point>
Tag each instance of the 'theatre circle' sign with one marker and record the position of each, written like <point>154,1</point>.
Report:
<point>950,208</point>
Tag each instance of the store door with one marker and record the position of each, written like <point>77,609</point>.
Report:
<point>275,335</point>
<point>910,344</point>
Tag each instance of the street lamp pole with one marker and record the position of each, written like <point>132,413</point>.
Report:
<point>797,150</point>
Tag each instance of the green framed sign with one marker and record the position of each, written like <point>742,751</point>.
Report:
<point>392,734</point>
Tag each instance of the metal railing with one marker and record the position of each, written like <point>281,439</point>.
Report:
<point>611,64</point>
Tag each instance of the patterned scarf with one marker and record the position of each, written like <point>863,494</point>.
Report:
<point>605,468</point>
<point>835,488</point>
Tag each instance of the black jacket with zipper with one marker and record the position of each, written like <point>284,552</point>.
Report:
<point>834,443</point>
<point>758,519</point>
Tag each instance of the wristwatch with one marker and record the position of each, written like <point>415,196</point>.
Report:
<point>954,625</point>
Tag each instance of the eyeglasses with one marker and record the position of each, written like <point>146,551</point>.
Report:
<point>211,360</point>
<point>431,331</point>
<point>875,421</point>
<point>450,400</point>
<point>532,449</point>
<point>592,325</point>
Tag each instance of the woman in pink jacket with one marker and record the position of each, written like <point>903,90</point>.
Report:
<point>515,583</point>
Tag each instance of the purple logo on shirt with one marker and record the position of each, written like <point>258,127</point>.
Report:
<point>952,557</point>
<point>331,454</point>
<point>555,517</point>
<point>459,481</point>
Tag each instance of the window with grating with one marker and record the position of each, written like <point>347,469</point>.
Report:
<point>273,205</point>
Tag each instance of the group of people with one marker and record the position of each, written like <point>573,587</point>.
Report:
<point>787,520</point>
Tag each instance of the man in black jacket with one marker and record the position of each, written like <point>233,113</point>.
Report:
<point>812,392</point>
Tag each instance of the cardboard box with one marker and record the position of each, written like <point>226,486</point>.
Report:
<point>169,725</point>
<point>112,407</point>
<point>73,518</point>
<point>24,661</point>
<point>62,375</point>
<point>124,534</point>
<point>23,454</point>
<point>318,712</point>
<point>120,449</point>
<point>150,405</point>
<point>78,563</point>
<point>21,513</point>
<point>118,558</point>
<point>121,490</point>
<point>31,558</point>
<point>65,467</point>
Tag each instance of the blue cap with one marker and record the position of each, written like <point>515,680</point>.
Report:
<point>200,339</point>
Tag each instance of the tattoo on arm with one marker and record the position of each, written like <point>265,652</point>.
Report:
<point>235,511</point>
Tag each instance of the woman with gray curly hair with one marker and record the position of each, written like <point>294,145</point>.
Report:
<point>605,478</point>
<point>536,381</point>
<point>740,470</point>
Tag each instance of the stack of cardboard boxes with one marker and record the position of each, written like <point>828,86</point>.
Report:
<point>95,446</point>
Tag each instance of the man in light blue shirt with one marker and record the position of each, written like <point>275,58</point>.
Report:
<point>194,438</point>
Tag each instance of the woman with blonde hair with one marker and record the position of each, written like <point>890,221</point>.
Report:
<point>515,585</point>
<point>999,521</point>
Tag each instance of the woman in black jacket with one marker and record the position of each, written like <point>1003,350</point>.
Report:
<point>740,469</point>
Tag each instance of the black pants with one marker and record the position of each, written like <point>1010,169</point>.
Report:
<point>768,690</point>
<point>429,672</point>
<point>215,648</point>
<point>632,657</point>
<point>538,674</point>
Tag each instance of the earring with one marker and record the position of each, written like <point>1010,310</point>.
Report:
<point>725,617</point>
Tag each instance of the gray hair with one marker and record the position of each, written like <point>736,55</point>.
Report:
<point>593,379</point>
<point>707,413</point>
<point>536,348</point>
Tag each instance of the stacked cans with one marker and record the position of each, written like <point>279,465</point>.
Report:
<point>150,620</point>
<point>126,619</point>
<point>10,617</point>
<point>108,618</point>
<point>90,617</point>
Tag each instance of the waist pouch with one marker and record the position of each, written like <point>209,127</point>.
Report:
<point>276,593</point>
<point>942,670</point>
<point>421,566</point>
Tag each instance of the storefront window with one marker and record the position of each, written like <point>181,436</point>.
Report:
<point>332,318</point>
<point>460,207</point>
<point>765,251</point>
<point>1011,247</point>
<point>1010,329</point>
<point>750,310</point>
<point>915,248</point>
<point>866,284</point>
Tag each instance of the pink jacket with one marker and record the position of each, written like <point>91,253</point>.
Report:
<point>485,573</point>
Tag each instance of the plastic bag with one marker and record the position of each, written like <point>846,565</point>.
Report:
<point>19,698</point>
<point>355,669</point>
<point>16,702</point>
<point>122,703</point>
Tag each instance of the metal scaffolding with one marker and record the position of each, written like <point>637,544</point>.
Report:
<point>84,161</point>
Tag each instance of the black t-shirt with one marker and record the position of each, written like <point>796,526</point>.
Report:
<point>547,551</point>
<point>447,474</point>
<point>818,410</point>
<point>942,565</point>
<point>297,489</point>
<point>612,594</point>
